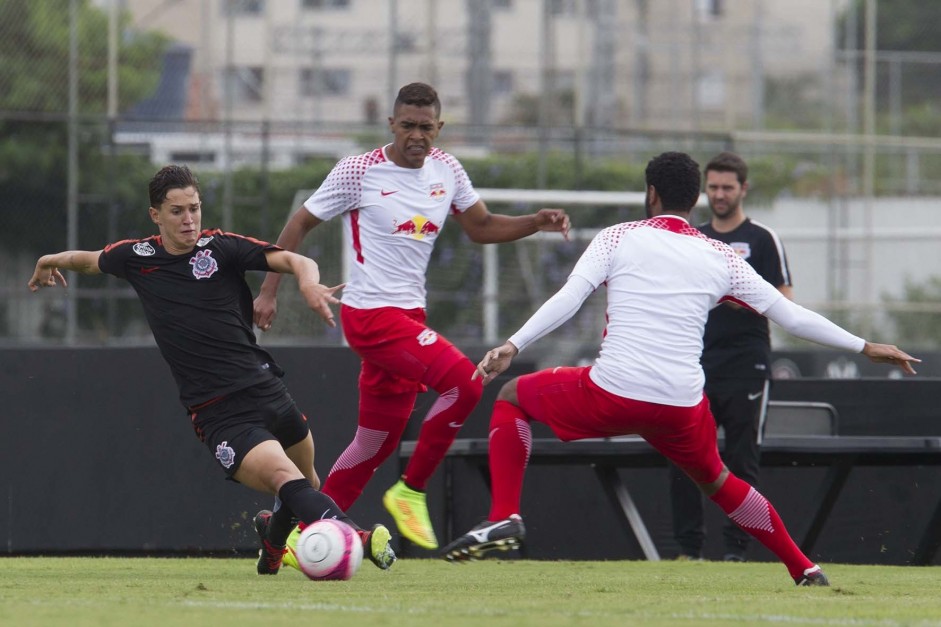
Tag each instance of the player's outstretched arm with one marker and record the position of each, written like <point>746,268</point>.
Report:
<point>319,297</point>
<point>266,303</point>
<point>810,325</point>
<point>484,227</point>
<point>47,272</point>
<point>495,362</point>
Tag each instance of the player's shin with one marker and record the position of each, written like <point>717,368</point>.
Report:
<point>754,513</point>
<point>510,444</point>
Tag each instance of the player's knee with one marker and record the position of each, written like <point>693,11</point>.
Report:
<point>508,392</point>
<point>714,486</point>
<point>474,389</point>
<point>459,374</point>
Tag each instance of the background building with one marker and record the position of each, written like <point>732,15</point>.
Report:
<point>670,64</point>
<point>261,96</point>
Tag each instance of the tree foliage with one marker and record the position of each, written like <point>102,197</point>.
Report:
<point>901,26</point>
<point>34,62</point>
<point>919,325</point>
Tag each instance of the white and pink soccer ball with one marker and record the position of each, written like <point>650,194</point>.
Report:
<point>329,549</point>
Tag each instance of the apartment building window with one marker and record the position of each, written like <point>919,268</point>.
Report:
<point>316,5</point>
<point>193,156</point>
<point>247,84</point>
<point>710,90</point>
<point>562,7</point>
<point>502,82</point>
<point>709,9</point>
<point>243,7</point>
<point>325,82</point>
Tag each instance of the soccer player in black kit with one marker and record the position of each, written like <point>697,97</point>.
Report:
<point>192,287</point>
<point>736,355</point>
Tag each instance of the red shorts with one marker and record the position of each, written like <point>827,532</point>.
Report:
<point>575,408</point>
<point>396,348</point>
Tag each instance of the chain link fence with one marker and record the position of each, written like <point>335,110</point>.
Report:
<point>93,102</point>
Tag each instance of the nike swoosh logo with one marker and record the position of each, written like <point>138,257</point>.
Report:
<point>385,193</point>
<point>149,270</point>
<point>455,425</point>
<point>755,396</point>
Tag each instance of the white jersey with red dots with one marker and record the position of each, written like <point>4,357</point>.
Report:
<point>663,276</point>
<point>391,219</point>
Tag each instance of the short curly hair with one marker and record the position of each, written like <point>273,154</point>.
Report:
<point>419,95</point>
<point>675,176</point>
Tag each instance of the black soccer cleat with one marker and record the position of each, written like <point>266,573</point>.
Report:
<point>269,556</point>
<point>812,577</point>
<point>488,536</point>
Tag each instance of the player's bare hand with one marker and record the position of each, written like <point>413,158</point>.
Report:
<point>495,362</point>
<point>265,310</point>
<point>553,220</point>
<point>320,297</point>
<point>889,354</point>
<point>45,276</point>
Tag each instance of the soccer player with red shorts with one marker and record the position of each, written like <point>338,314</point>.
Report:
<point>394,202</point>
<point>662,276</point>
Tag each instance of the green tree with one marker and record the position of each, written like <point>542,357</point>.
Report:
<point>34,62</point>
<point>919,326</point>
<point>906,26</point>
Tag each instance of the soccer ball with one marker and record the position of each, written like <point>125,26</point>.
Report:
<point>329,549</point>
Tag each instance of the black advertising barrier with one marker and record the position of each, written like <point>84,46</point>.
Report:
<point>98,456</point>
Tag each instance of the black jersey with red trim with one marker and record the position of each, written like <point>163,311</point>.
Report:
<point>737,341</point>
<point>199,308</point>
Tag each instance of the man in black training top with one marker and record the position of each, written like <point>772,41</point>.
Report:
<point>736,356</point>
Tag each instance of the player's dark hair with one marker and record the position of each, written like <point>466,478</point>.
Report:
<point>728,162</point>
<point>168,178</point>
<point>675,176</point>
<point>419,95</point>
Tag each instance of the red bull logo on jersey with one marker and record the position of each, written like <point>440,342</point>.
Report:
<point>437,191</point>
<point>204,266</point>
<point>418,227</point>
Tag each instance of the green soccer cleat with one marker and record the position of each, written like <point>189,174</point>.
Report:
<point>377,546</point>
<point>290,555</point>
<point>410,512</point>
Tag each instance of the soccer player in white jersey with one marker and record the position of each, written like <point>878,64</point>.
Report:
<point>394,202</point>
<point>663,276</point>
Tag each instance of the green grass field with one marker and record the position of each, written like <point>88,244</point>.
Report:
<point>431,593</point>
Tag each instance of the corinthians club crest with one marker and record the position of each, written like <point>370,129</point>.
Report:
<point>204,265</point>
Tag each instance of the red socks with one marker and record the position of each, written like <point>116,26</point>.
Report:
<point>510,443</point>
<point>752,512</point>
